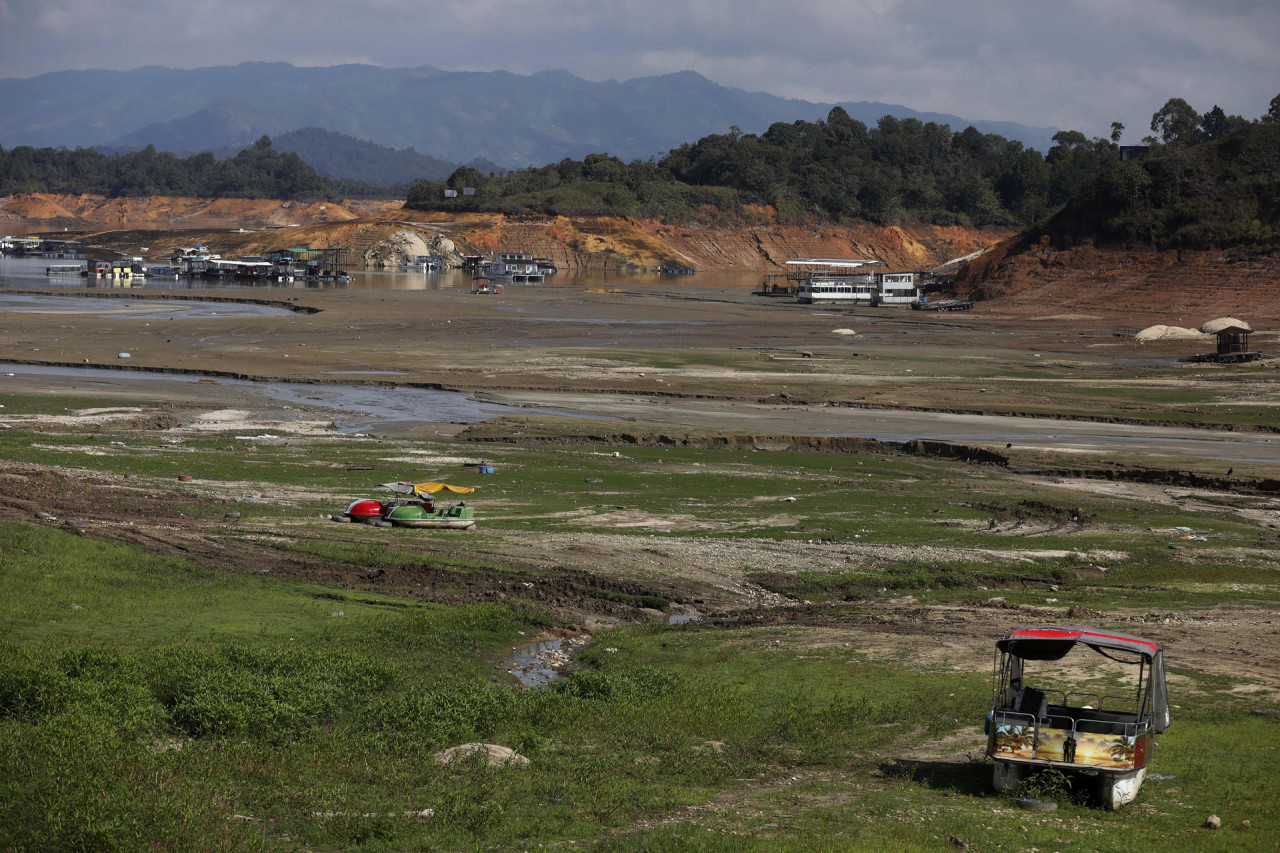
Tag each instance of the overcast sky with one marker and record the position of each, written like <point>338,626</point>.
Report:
<point>1065,63</point>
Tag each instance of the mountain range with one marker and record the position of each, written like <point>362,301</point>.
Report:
<point>341,156</point>
<point>509,119</point>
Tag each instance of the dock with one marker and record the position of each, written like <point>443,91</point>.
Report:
<point>942,305</point>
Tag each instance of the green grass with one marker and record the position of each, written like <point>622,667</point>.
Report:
<point>318,729</point>
<point>305,712</point>
<point>313,712</point>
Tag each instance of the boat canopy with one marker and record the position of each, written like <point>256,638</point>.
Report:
<point>1050,643</point>
<point>831,262</point>
<point>406,488</point>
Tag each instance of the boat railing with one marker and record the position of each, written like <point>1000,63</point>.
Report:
<point>1073,721</point>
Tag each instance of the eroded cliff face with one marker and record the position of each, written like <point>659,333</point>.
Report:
<point>583,243</point>
<point>606,243</point>
<point>52,212</point>
<point>1030,273</point>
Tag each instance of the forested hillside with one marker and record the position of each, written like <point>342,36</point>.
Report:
<point>1217,194</point>
<point>258,171</point>
<point>902,170</point>
<point>1207,180</point>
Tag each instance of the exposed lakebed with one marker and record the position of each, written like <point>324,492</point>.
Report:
<point>369,406</point>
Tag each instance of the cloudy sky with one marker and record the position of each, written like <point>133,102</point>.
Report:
<point>1064,63</point>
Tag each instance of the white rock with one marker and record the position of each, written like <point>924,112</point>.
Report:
<point>495,756</point>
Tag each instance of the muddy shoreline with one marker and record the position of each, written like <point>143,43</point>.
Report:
<point>491,392</point>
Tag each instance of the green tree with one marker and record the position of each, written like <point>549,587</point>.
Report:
<point>466,176</point>
<point>1176,123</point>
<point>602,167</point>
<point>1213,124</point>
<point>1272,115</point>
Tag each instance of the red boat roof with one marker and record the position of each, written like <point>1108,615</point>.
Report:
<point>1052,642</point>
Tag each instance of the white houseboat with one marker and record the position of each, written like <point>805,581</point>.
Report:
<point>515,268</point>
<point>898,288</point>
<point>845,281</point>
<point>834,280</point>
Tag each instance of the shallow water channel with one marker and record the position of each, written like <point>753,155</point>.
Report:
<point>369,406</point>
<point>135,309</point>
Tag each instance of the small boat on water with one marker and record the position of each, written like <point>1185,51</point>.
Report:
<point>423,263</point>
<point>414,505</point>
<point>484,284</point>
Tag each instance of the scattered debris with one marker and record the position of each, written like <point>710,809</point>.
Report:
<point>423,813</point>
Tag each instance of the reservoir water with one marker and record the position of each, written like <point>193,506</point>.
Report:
<point>28,272</point>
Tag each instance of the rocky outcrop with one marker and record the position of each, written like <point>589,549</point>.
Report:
<point>405,246</point>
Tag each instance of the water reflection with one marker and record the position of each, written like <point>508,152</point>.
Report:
<point>18,272</point>
<point>134,309</point>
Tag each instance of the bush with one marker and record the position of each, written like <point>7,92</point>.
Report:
<point>237,689</point>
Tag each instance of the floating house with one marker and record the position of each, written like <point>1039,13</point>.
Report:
<point>515,267</point>
<point>847,280</point>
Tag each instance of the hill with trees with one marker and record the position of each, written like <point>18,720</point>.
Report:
<point>901,170</point>
<point>1193,220</point>
<point>1219,190</point>
<point>258,171</point>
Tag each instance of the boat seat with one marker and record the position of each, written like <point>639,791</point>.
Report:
<point>1103,727</point>
<point>1093,721</point>
<point>1032,702</point>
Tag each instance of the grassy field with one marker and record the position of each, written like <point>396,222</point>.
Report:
<point>149,702</point>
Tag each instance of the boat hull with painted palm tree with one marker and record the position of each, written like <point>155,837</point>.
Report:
<point>1038,721</point>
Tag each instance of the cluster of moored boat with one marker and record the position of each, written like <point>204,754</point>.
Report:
<point>414,505</point>
<point>199,262</point>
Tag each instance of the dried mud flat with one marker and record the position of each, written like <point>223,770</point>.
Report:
<point>783,365</point>
<point>590,580</point>
<point>732,360</point>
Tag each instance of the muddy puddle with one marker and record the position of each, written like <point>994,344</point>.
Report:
<point>542,662</point>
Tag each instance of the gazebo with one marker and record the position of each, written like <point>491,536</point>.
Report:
<point>1233,339</point>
